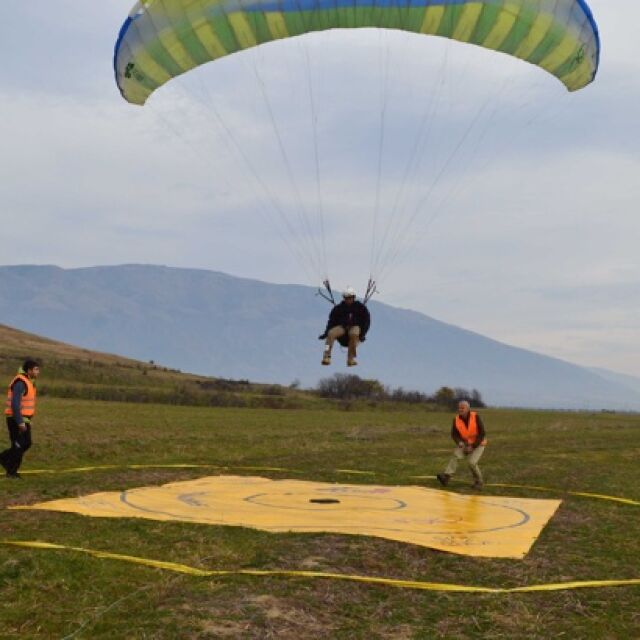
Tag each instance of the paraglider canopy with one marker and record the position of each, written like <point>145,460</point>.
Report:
<point>161,40</point>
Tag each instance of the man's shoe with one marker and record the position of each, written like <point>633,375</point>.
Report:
<point>351,363</point>
<point>326,359</point>
<point>14,476</point>
<point>443,479</point>
<point>477,481</point>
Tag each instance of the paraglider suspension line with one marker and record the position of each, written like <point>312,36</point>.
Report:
<point>326,292</point>
<point>371,290</point>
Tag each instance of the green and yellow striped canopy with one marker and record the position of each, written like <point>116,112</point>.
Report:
<point>162,39</point>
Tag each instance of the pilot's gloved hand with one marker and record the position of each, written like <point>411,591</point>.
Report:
<point>323,336</point>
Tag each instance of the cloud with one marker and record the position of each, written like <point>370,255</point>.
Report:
<point>523,197</point>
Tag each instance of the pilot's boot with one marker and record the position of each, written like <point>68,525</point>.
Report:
<point>326,356</point>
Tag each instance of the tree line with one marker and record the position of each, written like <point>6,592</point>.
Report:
<point>343,386</point>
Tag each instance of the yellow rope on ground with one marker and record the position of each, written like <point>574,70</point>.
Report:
<point>355,472</point>
<point>391,582</point>
<point>71,470</point>
<point>581,494</point>
<point>153,466</point>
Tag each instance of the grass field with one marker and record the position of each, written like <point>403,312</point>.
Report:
<point>66,594</point>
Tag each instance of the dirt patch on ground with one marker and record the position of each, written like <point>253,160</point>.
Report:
<point>223,629</point>
<point>395,632</point>
<point>574,515</point>
<point>270,616</point>
<point>365,434</point>
<point>286,615</point>
<point>346,555</point>
<point>238,611</point>
<point>424,429</point>
<point>314,563</point>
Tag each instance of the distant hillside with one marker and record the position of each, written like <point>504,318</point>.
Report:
<point>70,371</point>
<point>632,383</point>
<point>214,324</point>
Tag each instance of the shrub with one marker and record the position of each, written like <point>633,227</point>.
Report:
<point>346,387</point>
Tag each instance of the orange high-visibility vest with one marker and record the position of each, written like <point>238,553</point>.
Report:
<point>27,401</point>
<point>469,433</point>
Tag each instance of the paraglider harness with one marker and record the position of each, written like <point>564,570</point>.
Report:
<point>327,294</point>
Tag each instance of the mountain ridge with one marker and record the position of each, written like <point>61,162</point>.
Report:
<point>212,323</point>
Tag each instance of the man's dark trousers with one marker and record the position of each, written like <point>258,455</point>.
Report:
<point>11,458</point>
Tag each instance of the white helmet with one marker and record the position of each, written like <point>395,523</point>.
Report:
<point>349,292</point>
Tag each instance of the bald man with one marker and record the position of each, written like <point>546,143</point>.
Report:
<point>467,431</point>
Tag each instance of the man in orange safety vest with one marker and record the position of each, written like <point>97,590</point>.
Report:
<point>19,411</point>
<point>468,433</point>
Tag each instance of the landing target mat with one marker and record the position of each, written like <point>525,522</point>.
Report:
<point>486,526</point>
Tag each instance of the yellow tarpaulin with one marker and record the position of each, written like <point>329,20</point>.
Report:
<point>471,525</point>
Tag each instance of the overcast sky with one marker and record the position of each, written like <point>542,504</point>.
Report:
<point>511,206</point>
